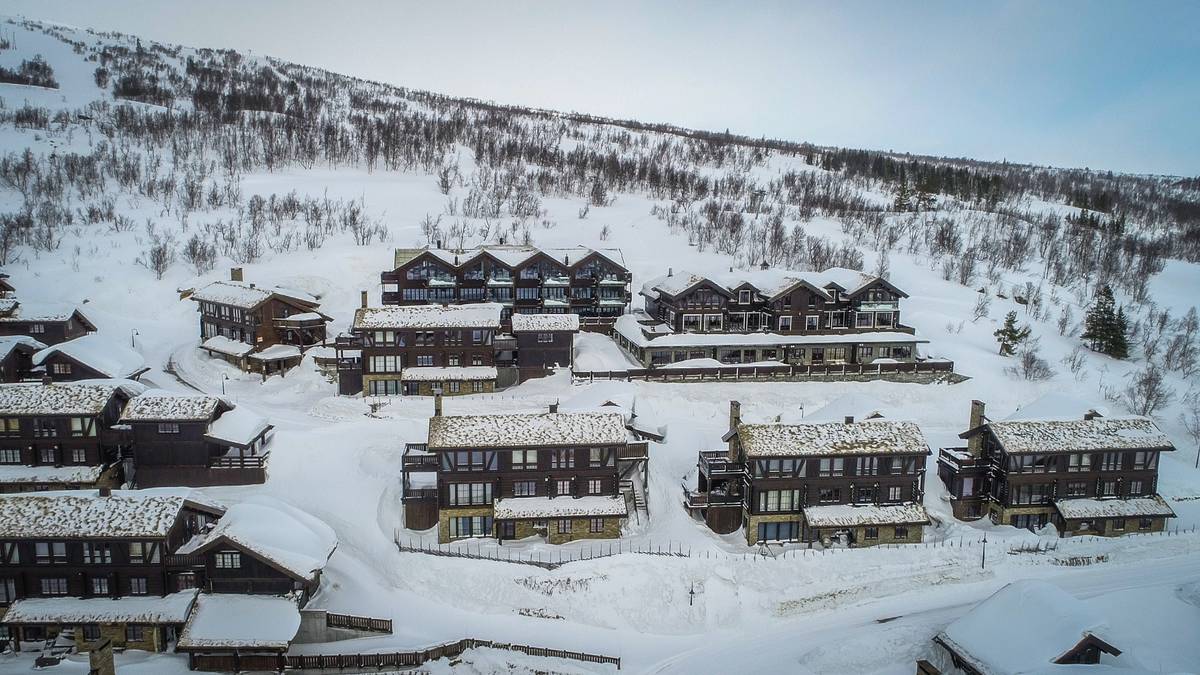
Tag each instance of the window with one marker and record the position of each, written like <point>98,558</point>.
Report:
<point>691,322</point>
<point>50,552</point>
<point>743,297</point>
<point>229,560</point>
<point>91,632</point>
<point>774,501</point>
<point>82,427</point>
<point>99,585</point>
<point>385,364</point>
<point>47,456</point>
<point>1143,460</point>
<point>43,428</point>
<point>10,456</point>
<point>137,585</point>
<point>871,533</point>
<point>97,554</point>
<point>54,586</point>
<point>785,531</point>
<point>470,526</point>
<point>381,338</point>
<point>10,426</point>
<point>384,387</point>
<point>562,487</point>
<point>713,322</point>
<point>901,533</point>
<point>1036,493</point>
<point>600,457</point>
<point>895,493</point>
<point>525,488</point>
<point>1118,524</point>
<point>829,495</point>
<point>469,460</point>
<point>477,386</point>
<point>137,553</point>
<point>1135,488</point>
<point>594,486</point>
<point>527,293</point>
<point>134,633</point>
<point>168,428</point>
<point>1077,489</point>
<point>564,526</point>
<point>10,553</point>
<point>425,360</point>
<point>524,460</point>
<point>1079,462</point>
<point>1108,488</point>
<point>812,322</point>
<point>562,459</point>
<point>596,525</point>
<point>1145,523</point>
<point>831,466</point>
<point>470,494</point>
<point>79,455</point>
<point>545,338</point>
<point>864,495</point>
<point>37,328</point>
<point>785,323</point>
<point>8,590</point>
<point>453,386</point>
<point>1110,461</point>
<point>868,466</point>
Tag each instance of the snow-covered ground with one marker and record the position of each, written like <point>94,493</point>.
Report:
<point>782,610</point>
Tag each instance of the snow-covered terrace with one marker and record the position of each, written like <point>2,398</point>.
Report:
<point>524,508</point>
<point>448,373</point>
<point>238,427</point>
<point>227,346</point>
<point>68,398</point>
<point>85,514</point>
<point>851,515</point>
<point>873,437</point>
<point>278,352</point>
<point>526,430</point>
<point>528,323</point>
<point>1087,509</point>
<point>1102,433</point>
<point>170,609</point>
<point>629,328</point>
<point>223,622</point>
<point>475,315</point>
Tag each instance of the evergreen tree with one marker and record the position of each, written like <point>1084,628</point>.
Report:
<point>1010,335</point>
<point>1118,345</point>
<point>1106,327</point>
<point>903,201</point>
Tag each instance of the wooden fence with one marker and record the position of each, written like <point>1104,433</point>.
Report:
<point>878,371</point>
<point>281,662</point>
<point>363,623</point>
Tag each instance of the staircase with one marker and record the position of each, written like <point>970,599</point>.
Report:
<point>637,494</point>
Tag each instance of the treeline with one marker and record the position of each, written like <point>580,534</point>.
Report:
<point>35,72</point>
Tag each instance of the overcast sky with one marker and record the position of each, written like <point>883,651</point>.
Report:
<point>1105,84</point>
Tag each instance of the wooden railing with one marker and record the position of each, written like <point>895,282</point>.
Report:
<point>767,373</point>
<point>177,560</point>
<point>634,451</point>
<point>239,462</point>
<point>717,461</point>
<point>364,623</point>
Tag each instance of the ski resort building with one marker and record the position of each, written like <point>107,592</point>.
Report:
<point>193,440</point>
<point>90,357</point>
<point>47,323</point>
<point>544,342</point>
<point>522,279</point>
<point>257,328</point>
<point>558,475</point>
<point>1088,475</point>
<point>769,317</point>
<point>858,483</point>
<point>62,436</point>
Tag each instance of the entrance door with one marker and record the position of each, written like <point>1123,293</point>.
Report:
<point>508,529</point>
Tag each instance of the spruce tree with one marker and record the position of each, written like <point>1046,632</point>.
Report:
<point>1106,326</point>
<point>1009,335</point>
<point>1118,344</point>
<point>903,201</point>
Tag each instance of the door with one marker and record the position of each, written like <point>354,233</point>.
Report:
<point>508,529</point>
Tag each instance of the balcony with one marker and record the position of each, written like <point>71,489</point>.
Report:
<point>180,561</point>
<point>960,460</point>
<point>694,499</point>
<point>716,463</point>
<point>892,306</point>
<point>418,458</point>
<point>238,462</point>
<point>634,451</point>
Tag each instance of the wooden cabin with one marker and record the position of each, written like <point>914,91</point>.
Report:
<point>544,342</point>
<point>89,357</point>
<point>45,322</point>
<point>16,358</point>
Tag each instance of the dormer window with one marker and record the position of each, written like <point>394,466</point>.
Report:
<point>744,297</point>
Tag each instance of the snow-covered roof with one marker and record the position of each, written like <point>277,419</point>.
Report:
<point>520,508</point>
<point>873,437</point>
<point>239,427</point>
<point>473,315</point>
<point>1056,405</point>
<point>224,345</point>
<point>85,514</point>
<point>303,316</point>
<point>508,254</point>
<point>627,325</point>
<point>1073,509</point>
<point>227,621</point>
<point>151,609</point>
<point>99,353</point>
<point>526,430</point>
<point>1023,628</point>
<point>11,342</point>
<point>545,322</point>
<point>1102,433</point>
<point>41,311</point>
<point>448,373</point>
<point>284,536</point>
<point>852,515</point>
<point>277,352</point>
<point>53,475</point>
<point>66,398</point>
<point>158,405</point>
<point>858,406</point>
<point>769,282</point>
<point>247,295</point>
<point>673,284</point>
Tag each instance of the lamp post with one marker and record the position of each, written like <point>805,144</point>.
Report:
<point>224,376</point>
<point>132,333</point>
<point>983,557</point>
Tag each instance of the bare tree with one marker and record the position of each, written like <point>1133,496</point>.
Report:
<point>1029,364</point>
<point>160,255</point>
<point>605,233</point>
<point>983,303</point>
<point>1147,391</point>
<point>1190,418</point>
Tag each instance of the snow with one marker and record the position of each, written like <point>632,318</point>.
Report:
<point>524,508</point>
<point>872,437</point>
<point>303,316</point>
<point>224,345</point>
<point>247,295</point>
<point>225,621</point>
<point>1073,509</point>
<point>672,284</point>
<point>239,427</point>
<point>66,475</point>
<point>770,282</point>
<point>852,515</point>
<point>40,311</point>
<point>1103,433</point>
<point>1024,628</point>
<point>713,363</point>
<point>10,342</point>
<point>525,431</point>
<point>99,353</point>
<point>1057,406</point>
<point>508,254</point>
<point>629,328</point>
<point>85,514</point>
<point>475,315</point>
<point>158,405</point>
<point>169,609</point>
<point>595,352</point>
<point>286,536</point>
<point>447,373</point>
<point>277,352</point>
<point>859,406</point>
<point>545,322</point>
<point>66,398</point>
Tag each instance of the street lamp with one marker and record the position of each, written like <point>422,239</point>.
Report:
<point>224,376</point>
<point>983,557</point>
<point>132,333</point>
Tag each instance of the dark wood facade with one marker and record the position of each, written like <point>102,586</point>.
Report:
<point>49,328</point>
<point>540,351</point>
<point>16,362</point>
<point>171,452</point>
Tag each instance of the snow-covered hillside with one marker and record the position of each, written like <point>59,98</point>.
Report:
<point>308,180</point>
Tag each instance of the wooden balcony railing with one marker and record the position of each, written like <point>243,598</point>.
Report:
<point>715,462</point>
<point>238,462</point>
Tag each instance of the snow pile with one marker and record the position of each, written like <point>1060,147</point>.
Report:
<point>224,345</point>
<point>10,342</point>
<point>1024,627</point>
<point>98,353</point>
<point>528,323</point>
<point>476,315</point>
<point>68,515</point>
<point>672,284</point>
<point>241,621</point>
<point>832,438</point>
<point>1102,433</point>
<point>524,508</point>
<point>277,352</point>
<point>859,406</point>
<point>448,373</point>
<point>287,537</point>
<point>1086,509</point>
<point>245,295</point>
<point>855,515</point>
<point>173,608</point>
<point>238,427</point>
<point>68,398</point>
<point>526,430</point>
<point>158,405</point>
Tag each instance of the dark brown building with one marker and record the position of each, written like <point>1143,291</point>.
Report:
<point>544,342</point>
<point>61,436</point>
<point>194,440</point>
<point>47,323</point>
<point>523,279</point>
<point>1089,475</point>
<point>91,357</point>
<point>263,329</point>
<point>861,483</point>
<point>16,358</point>
<point>553,475</point>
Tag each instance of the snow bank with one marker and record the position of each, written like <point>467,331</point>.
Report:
<point>238,427</point>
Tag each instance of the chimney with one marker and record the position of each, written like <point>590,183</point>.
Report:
<point>105,492</point>
<point>567,261</point>
<point>975,443</point>
<point>670,271</point>
<point>251,284</point>
<point>437,404</point>
<point>849,419</point>
<point>735,414</point>
<point>1090,415</point>
<point>554,407</point>
<point>439,243</point>
<point>235,274</point>
<point>977,408</point>
<point>364,299</point>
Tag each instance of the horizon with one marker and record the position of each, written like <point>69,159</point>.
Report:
<point>948,109</point>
